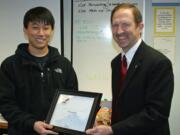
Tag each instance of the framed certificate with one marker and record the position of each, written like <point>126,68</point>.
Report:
<point>73,112</point>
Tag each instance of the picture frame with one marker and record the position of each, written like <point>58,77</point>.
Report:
<point>73,112</point>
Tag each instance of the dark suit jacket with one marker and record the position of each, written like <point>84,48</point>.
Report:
<point>142,105</point>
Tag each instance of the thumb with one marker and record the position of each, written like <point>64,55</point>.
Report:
<point>91,131</point>
<point>48,126</point>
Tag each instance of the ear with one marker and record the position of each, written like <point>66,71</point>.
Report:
<point>52,34</point>
<point>141,26</point>
<point>25,33</point>
<point>24,30</point>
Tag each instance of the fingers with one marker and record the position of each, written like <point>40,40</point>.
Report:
<point>50,132</point>
<point>43,128</point>
<point>100,130</point>
<point>91,131</point>
<point>47,126</point>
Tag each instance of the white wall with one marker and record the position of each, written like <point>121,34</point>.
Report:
<point>175,111</point>
<point>67,30</point>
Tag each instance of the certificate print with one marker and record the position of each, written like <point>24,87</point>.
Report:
<point>72,112</point>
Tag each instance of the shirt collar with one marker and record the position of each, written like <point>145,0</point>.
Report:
<point>129,55</point>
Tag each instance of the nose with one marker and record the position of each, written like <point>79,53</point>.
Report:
<point>41,31</point>
<point>119,30</point>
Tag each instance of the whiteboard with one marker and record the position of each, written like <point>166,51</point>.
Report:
<point>12,13</point>
<point>93,46</point>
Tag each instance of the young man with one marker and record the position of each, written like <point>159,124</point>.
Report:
<point>142,83</point>
<point>29,79</point>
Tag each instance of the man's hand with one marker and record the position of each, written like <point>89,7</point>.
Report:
<point>43,128</point>
<point>100,130</point>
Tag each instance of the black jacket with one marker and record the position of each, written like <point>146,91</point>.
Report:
<point>142,105</point>
<point>27,89</point>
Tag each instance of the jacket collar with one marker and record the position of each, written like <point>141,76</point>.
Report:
<point>22,52</point>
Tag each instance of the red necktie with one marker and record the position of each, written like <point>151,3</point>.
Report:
<point>123,68</point>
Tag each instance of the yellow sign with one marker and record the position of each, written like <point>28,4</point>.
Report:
<point>164,21</point>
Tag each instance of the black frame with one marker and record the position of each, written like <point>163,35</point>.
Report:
<point>62,97</point>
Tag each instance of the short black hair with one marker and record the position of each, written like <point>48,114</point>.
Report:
<point>39,14</point>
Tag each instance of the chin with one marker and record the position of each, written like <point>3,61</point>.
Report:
<point>123,45</point>
<point>41,46</point>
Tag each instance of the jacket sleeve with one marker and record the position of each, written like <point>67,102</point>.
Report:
<point>71,78</point>
<point>158,96</point>
<point>8,104</point>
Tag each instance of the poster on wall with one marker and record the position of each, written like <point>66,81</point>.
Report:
<point>164,20</point>
<point>166,45</point>
<point>165,27</point>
